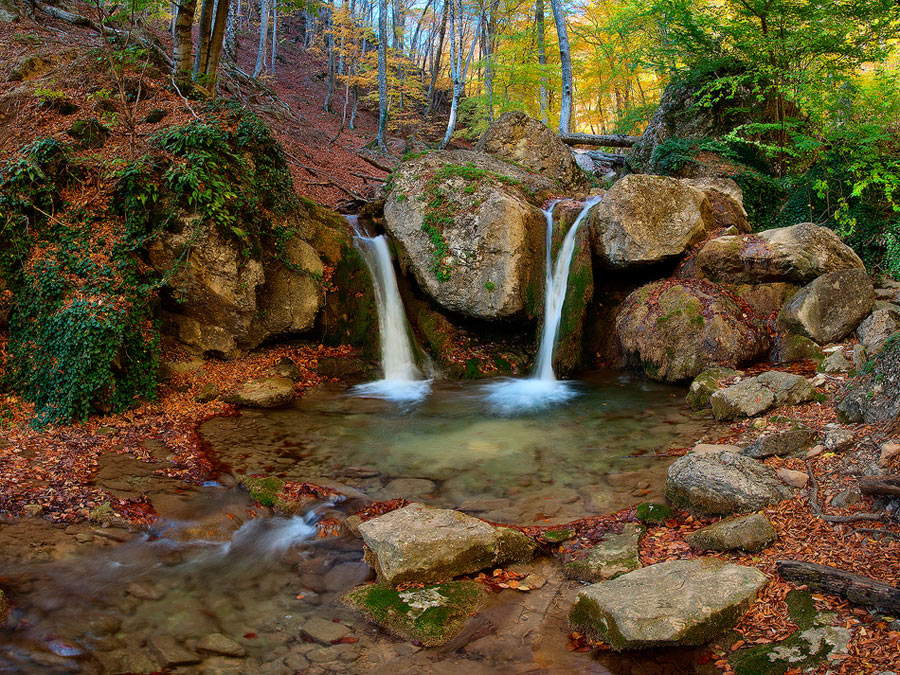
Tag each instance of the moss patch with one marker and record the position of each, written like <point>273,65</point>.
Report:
<point>653,514</point>
<point>432,615</point>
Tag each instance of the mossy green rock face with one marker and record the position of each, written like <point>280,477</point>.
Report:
<point>615,555</point>
<point>706,384</point>
<point>422,544</point>
<point>267,490</point>
<point>722,483</point>
<point>653,514</point>
<point>640,609</point>
<point>432,615</point>
<point>675,331</point>
<point>790,348</point>
<point>751,533</point>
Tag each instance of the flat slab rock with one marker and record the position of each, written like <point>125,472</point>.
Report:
<point>422,544</point>
<point>722,483</point>
<point>268,392</point>
<point>640,609</point>
<point>755,395</point>
<point>615,555</point>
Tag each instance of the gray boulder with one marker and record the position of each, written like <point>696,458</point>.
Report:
<point>722,483</point>
<point>675,331</point>
<point>876,328</point>
<point>780,443</point>
<point>614,555</point>
<point>874,394</point>
<point>422,544</point>
<point>831,307</point>
<point>750,533</point>
<point>516,137</point>
<point>797,254</point>
<point>755,395</point>
<point>470,230</point>
<point>676,603</point>
<point>836,362</point>
<point>645,219</point>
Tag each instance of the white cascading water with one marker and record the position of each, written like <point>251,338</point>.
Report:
<point>403,381</point>
<point>542,388</point>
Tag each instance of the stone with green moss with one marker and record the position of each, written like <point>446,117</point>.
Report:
<point>614,555</point>
<point>651,513</point>
<point>706,384</point>
<point>268,491</point>
<point>421,544</point>
<point>641,609</point>
<point>790,348</point>
<point>432,615</point>
<point>558,536</point>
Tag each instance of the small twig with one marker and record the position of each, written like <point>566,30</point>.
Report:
<point>184,98</point>
<point>875,530</point>
<point>816,509</point>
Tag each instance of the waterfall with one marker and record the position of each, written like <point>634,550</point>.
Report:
<point>403,381</point>
<point>542,388</point>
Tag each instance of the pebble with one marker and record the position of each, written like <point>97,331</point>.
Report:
<point>216,643</point>
<point>143,591</point>
<point>888,452</point>
<point>33,510</point>
<point>797,479</point>
<point>324,631</point>
<point>83,538</point>
<point>815,451</point>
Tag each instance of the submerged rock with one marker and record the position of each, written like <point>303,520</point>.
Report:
<point>797,254</point>
<point>722,483</point>
<point>675,331</point>
<point>750,533</point>
<point>422,544</point>
<point>518,138</point>
<point>614,555</point>
<point>646,219</point>
<point>432,615</point>
<point>216,643</point>
<point>640,609</point>
<point>831,307</point>
<point>267,392</point>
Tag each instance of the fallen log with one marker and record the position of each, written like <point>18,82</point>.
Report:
<point>857,589</point>
<point>609,140</point>
<point>606,157</point>
<point>880,485</point>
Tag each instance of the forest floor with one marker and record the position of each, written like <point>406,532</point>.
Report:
<point>50,475</point>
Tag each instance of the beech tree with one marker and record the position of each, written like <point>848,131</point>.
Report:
<point>565,57</point>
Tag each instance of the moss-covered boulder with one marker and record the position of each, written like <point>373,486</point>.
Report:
<point>676,330</point>
<point>612,556</point>
<point>651,513</point>
<point>706,384</point>
<point>790,348</point>
<point>432,615</point>
<point>470,230</point>
<point>421,544</point>
<point>640,610</point>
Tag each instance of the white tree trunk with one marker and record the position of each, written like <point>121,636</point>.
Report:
<point>565,57</point>
<point>263,38</point>
<point>382,73</point>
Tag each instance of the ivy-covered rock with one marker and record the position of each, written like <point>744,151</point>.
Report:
<point>470,230</point>
<point>641,609</point>
<point>432,615</point>
<point>676,330</point>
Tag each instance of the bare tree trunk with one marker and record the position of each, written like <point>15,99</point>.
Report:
<point>329,41</point>
<point>542,58</point>
<point>274,34</point>
<point>382,74</point>
<point>205,25</point>
<point>429,106</point>
<point>184,42</point>
<point>216,43</point>
<point>263,38</point>
<point>565,57</point>
<point>458,69</point>
<point>231,44</point>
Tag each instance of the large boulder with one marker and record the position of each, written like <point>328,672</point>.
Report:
<point>722,483</point>
<point>226,300</point>
<point>878,327</point>
<point>831,307</point>
<point>518,138</point>
<point>645,219</point>
<point>873,396</point>
<point>675,603</point>
<point>796,254</point>
<point>470,229</point>
<point>750,533</point>
<point>726,201</point>
<point>421,544</point>
<point>675,331</point>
